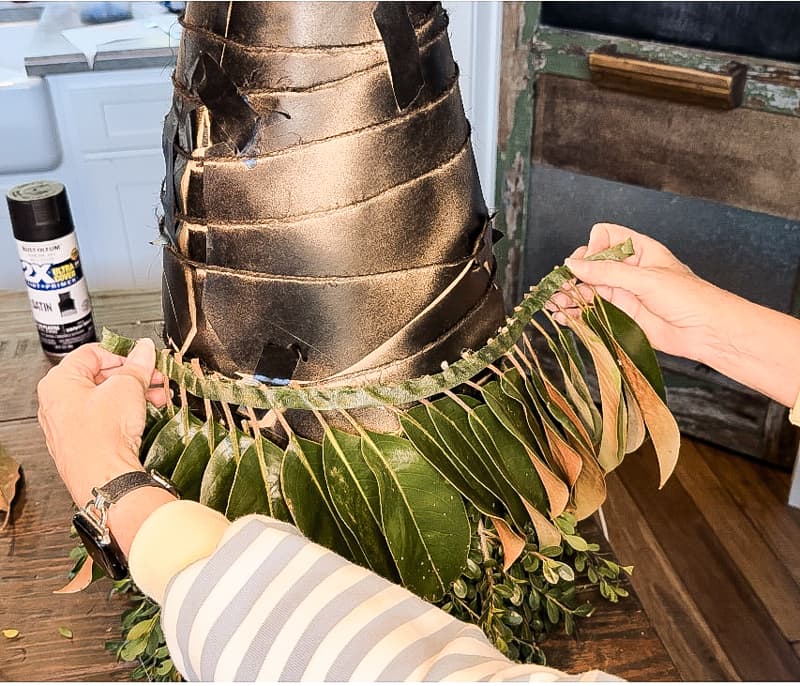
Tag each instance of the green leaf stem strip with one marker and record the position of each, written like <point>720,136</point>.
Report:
<point>321,397</point>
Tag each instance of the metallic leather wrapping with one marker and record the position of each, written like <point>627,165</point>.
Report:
<point>324,219</point>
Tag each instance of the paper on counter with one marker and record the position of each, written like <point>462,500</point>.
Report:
<point>88,39</point>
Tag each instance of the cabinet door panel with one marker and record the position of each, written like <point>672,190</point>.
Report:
<point>121,202</point>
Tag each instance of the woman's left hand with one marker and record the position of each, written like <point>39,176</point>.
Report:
<point>92,410</point>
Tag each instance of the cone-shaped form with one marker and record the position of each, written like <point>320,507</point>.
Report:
<point>323,212</point>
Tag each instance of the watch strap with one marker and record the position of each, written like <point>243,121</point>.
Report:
<point>130,481</point>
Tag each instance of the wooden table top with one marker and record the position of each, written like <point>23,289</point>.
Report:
<point>34,547</point>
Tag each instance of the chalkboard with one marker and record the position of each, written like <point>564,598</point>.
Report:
<point>762,29</point>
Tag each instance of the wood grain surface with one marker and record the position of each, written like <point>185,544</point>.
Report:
<point>739,621</point>
<point>740,157</point>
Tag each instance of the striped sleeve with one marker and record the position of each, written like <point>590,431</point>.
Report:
<point>269,605</point>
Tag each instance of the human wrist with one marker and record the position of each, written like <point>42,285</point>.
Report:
<point>126,516</point>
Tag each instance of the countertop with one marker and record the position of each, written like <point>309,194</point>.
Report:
<point>49,52</point>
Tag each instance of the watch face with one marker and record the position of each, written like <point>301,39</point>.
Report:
<point>101,546</point>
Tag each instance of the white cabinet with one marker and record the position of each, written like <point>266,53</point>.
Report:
<point>111,134</point>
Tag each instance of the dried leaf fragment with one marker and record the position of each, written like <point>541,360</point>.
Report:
<point>81,580</point>
<point>9,476</point>
<point>513,545</point>
<point>65,632</point>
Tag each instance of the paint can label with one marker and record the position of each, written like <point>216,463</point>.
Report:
<point>58,293</point>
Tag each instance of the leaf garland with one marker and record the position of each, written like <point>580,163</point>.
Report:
<point>520,455</point>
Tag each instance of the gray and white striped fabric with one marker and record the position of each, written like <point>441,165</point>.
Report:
<point>269,605</point>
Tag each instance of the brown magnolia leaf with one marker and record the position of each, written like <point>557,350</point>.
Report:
<point>9,476</point>
<point>589,492</point>
<point>82,578</point>
<point>635,432</point>
<point>557,491</point>
<point>564,405</point>
<point>547,533</point>
<point>660,423</point>
<point>609,454</point>
<point>567,459</point>
<point>513,545</point>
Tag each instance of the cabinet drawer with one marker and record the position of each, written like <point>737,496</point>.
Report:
<point>120,110</point>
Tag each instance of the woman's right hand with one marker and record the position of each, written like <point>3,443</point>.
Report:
<point>675,307</point>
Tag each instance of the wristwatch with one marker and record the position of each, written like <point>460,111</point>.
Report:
<point>90,521</point>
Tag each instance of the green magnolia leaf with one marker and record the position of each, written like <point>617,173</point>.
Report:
<point>423,516</point>
<point>152,416</point>
<point>354,493</point>
<point>511,415</point>
<point>221,470</point>
<point>170,442</point>
<point>630,337</point>
<point>306,495</point>
<point>509,456</point>
<point>256,485</point>
<point>559,407</point>
<point>562,456</point>
<point>188,473</point>
<point>420,429</point>
<point>573,373</point>
<point>152,428</point>
<point>452,423</point>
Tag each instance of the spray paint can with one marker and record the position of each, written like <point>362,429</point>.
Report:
<point>48,251</point>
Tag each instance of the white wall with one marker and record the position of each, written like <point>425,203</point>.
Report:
<point>110,132</point>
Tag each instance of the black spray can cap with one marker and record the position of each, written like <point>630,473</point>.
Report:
<point>39,211</point>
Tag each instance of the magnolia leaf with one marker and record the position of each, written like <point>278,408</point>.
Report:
<point>452,424</point>
<point>221,470</point>
<point>609,379</point>
<point>548,534</point>
<point>560,408</point>
<point>660,423</point>
<point>509,455</point>
<point>452,421</point>
<point>568,461</point>
<point>305,493</point>
<point>574,373</point>
<point>589,492</point>
<point>423,516</point>
<point>256,485</point>
<point>170,442</point>
<point>354,493</point>
<point>192,463</point>
<point>87,573</point>
<point>513,545</point>
<point>630,337</point>
<point>635,431</point>
<point>421,431</point>
<point>510,414</point>
<point>152,429</point>
<point>9,477</point>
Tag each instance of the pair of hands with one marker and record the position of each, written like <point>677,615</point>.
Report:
<point>92,405</point>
